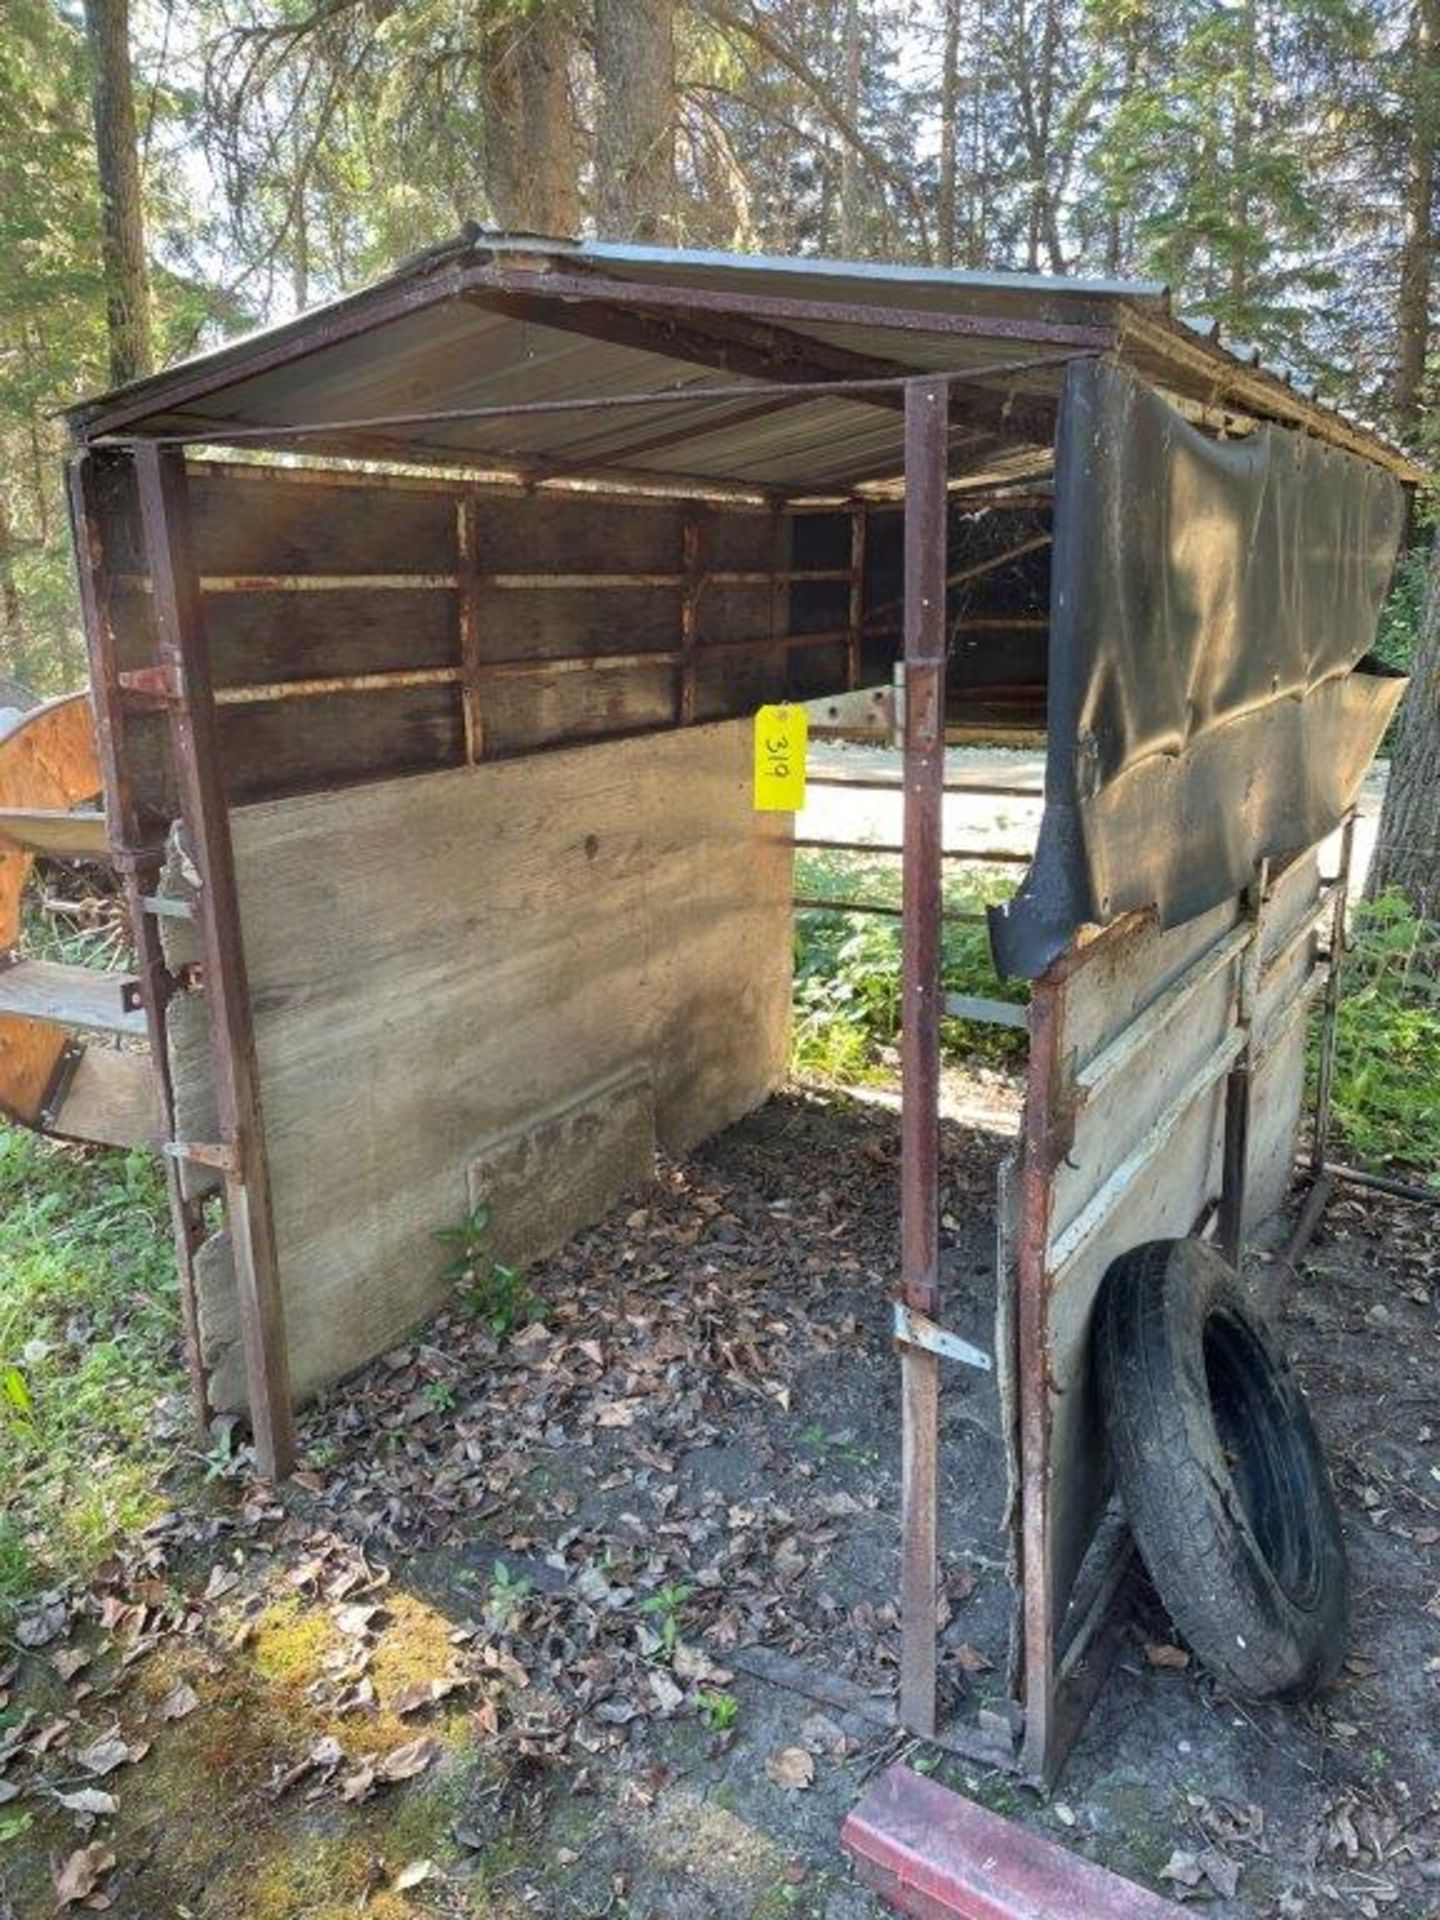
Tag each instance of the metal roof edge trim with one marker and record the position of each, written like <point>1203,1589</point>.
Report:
<point>826,267</point>
<point>1254,389</point>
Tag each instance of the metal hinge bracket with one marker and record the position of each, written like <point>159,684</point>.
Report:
<point>914,1330</point>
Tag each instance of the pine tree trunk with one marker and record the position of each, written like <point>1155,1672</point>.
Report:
<point>852,178</point>
<point>14,637</point>
<point>117,155</point>
<point>949,102</point>
<point>1417,253</point>
<point>635,119</point>
<point>532,166</point>
<point>1407,852</point>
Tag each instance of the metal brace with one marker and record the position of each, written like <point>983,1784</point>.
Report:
<point>203,1153</point>
<point>914,1330</point>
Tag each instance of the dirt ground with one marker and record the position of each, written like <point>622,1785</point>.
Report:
<point>489,1656</point>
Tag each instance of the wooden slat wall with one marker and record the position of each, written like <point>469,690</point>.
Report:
<point>474,615</point>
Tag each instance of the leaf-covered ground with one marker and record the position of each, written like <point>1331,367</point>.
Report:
<point>495,1652</point>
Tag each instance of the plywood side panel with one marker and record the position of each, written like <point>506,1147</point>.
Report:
<point>433,961</point>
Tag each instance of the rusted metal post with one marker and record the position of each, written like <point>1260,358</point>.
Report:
<point>853,650</point>
<point>926,449</point>
<point>184,659</point>
<point>690,586</point>
<point>467,548</point>
<point>137,858</point>
<point>1330,1006</point>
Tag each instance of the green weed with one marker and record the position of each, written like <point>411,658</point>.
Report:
<point>847,969</point>
<point>665,1606</point>
<point>89,1321</point>
<point>491,1292</point>
<point>505,1602</point>
<point>719,1711</point>
<point>1387,1040</point>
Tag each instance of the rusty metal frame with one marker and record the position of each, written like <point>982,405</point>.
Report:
<point>926,473</point>
<point>194,732</point>
<point>137,858</point>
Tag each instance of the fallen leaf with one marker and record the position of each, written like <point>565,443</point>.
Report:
<point>222,1580</point>
<point>403,1763</point>
<point>820,1734</point>
<point>182,1699</point>
<point>37,1626</point>
<point>357,1619</point>
<point>425,1694</point>
<point>792,1769</point>
<point>666,1693</point>
<point>971,1658</point>
<point>1161,1654</point>
<point>413,1875</point>
<point>1184,1869</point>
<point>105,1755</point>
<point>355,1786</point>
<point>68,1661</point>
<point>82,1873</point>
<point>88,1800</point>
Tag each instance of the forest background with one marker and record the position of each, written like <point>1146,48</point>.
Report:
<point>176,171</point>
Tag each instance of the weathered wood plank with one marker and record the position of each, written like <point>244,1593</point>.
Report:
<point>81,835</point>
<point>256,638</point>
<point>436,962</point>
<point>112,1098</point>
<point>295,746</point>
<point>68,996</point>
<point>242,527</point>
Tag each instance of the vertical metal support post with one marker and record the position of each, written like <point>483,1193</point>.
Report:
<point>926,455</point>
<point>137,859</point>
<point>1324,1079</point>
<point>853,651</point>
<point>1235,1161</point>
<point>184,656</point>
<point>467,548</point>
<point>779,596</point>
<point>690,585</point>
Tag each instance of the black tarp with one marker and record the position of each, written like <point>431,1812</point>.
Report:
<point>1210,705</point>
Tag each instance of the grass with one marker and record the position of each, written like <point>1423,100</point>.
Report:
<point>89,1321</point>
<point>847,969</point>
<point>1386,1089</point>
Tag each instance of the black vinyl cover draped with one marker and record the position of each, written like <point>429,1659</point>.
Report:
<point>1210,702</point>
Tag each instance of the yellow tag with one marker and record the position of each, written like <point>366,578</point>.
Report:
<point>780,759</point>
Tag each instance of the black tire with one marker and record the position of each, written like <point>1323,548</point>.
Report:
<point>1220,1472</point>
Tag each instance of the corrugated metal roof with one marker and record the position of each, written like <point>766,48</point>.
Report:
<point>513,321</point>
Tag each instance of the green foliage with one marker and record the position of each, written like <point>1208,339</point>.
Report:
<point>490,1291</point>
<point>1400,622</point>
<point>1385,1104</point>
<point>505,1601</point>
<point>665,1606</point>
<point>719,1711</point>
<point>847,969</point>
<point>89,1319</point>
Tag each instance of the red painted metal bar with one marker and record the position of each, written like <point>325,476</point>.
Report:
<point>922,892</point>
<point>938,1856</point>
<point>184,656</point>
